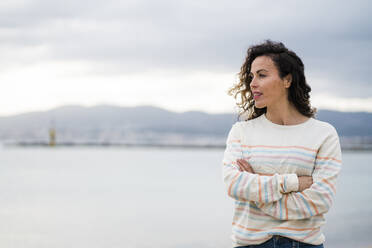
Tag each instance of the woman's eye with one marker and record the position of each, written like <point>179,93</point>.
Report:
<point>262,75</point>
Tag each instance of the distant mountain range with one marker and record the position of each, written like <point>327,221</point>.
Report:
<point>152,125</point>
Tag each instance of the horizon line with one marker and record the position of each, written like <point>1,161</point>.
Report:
<point>154,106</point>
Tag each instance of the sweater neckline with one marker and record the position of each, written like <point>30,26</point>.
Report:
<point>267,121</point>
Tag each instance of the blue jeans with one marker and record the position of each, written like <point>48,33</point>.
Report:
<point>282,242</point>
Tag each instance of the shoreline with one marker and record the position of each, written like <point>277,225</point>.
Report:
<point>156,145</point>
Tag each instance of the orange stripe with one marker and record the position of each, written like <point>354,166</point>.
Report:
<point>326,195</point>
<point>286,206</point>
<point>240,209</point>
<point>271,189</point>
<point>330,185</point>
<point>234,141</point>
<point>252,240</point>
<point>315,231</point>
<point>282,186</point>
<point>310,234</point>
<point>246,228</point>
<point>232,162</point>
<point>259,188</point>
<point>281,157</point>
<point>232,183</point>
<point>312,203</point>
<point>294,229</point>
<point>301,147</point>
<point>282,227</point>
<point>263,174</point>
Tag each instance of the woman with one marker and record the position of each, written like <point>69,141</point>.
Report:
<point>280,164</point>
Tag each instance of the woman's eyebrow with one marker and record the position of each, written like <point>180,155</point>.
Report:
<point>258,71</point>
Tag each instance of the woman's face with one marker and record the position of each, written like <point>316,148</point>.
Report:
<point>267,87</point>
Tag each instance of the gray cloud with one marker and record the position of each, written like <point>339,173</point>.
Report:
<point>131,36</point>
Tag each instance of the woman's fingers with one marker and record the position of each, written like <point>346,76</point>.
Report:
<point>241,166</point>
<point>244,165</point>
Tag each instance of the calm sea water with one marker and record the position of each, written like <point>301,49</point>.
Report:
<point>146,197</point>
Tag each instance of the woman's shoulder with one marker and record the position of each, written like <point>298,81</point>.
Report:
<point>245,123</point>
<point>315,127</point>
<point>249,123</point>
<point>325,126</point>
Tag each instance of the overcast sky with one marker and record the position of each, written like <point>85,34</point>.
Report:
<point>177,54</point>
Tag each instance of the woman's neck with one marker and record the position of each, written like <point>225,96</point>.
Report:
<point>285,116</point>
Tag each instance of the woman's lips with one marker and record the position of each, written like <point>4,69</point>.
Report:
<point>256,96</point>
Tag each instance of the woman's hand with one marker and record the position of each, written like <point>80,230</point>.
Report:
<point>244,165</point>
<point>304,182</point>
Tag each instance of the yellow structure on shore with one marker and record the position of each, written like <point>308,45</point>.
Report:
<point>52,135</point>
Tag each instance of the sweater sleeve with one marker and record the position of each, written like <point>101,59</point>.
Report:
<point>245,186</point>
<point>320,196</point>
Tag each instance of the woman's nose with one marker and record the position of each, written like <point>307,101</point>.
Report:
<point>253,83</point>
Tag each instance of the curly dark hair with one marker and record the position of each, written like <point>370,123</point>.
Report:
<point>287,62</point>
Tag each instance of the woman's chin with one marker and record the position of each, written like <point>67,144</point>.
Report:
<point>258,105</point>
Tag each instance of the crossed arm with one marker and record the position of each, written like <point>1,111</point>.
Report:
<point>286,196</point>
<point>304,182</point>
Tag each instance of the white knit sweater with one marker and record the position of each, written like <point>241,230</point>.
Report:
<point>267,205</point>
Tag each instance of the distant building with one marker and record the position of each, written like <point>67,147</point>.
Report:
<point>52,135</point>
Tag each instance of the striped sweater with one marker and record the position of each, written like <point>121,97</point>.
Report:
<point>270,204</point>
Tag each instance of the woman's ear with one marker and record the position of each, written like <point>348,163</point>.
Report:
<point>288,80</point>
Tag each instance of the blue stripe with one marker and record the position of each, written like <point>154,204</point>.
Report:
<point>315,237</point>
<point>323,173</point>
<point>307,167</point>
<point>246,213</point>
<point>285,184</point>
<point>310,155</point>
<point>236,186</point>
<point>326,187</point>
<point>242,203</point>
<point>266,194</point>
<point>260,218</point>
<point>336,164</point>
<point>270,233</point>
<point>307,204</point>
<point>230,165</point>
<point>280,208</point>
<point>254,206</point>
